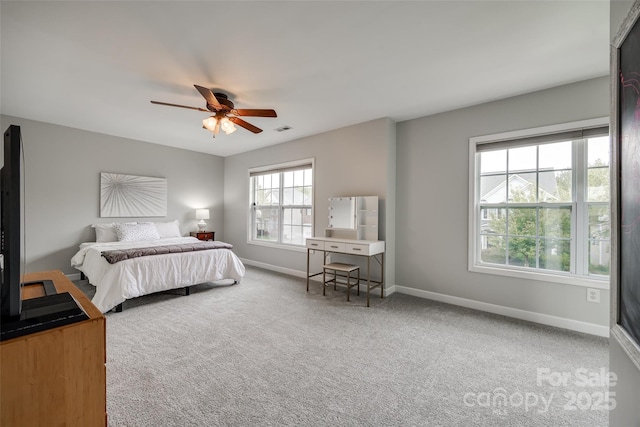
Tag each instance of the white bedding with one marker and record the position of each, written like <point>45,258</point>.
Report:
<point>132,278</point>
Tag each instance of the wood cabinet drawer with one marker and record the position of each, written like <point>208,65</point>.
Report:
<point>315,244</point>
<point>203,235</point>
<point>353,248</point>
<point>334,246</point>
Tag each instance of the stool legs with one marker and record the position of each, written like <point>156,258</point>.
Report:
<point>334,278</point>
<point>348,285</point>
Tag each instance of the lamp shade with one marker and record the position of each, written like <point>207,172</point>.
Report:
<point>227,126</point>
<point>210,123</point>
<point>202,213</point>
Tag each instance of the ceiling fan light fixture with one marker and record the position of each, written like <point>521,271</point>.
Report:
<point>210,123</point>
<point>225,115</point>
<point>227,126</point>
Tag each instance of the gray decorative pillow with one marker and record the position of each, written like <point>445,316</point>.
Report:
<point>105,232</point>
<point>136,232</point>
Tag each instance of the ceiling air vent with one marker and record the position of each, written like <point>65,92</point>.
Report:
<point>283,128</point>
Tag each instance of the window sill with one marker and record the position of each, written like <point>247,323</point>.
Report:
<point>587,282</point>
<point>294,248</point>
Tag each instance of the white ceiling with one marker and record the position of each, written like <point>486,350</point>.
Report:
<point>321,65</point>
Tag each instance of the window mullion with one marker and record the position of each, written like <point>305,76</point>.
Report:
<point>281,205</point>
<point>254,219</point>
<point>507,216</point>
<point>477,215</point>
<point>579,231</point>
<point>537,237</point>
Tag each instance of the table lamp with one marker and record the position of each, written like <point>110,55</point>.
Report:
<point>202,214</point>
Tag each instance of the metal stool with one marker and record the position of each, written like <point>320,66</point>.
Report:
<point>336,267</point>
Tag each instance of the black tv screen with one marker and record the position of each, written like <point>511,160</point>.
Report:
<point>10,211</point>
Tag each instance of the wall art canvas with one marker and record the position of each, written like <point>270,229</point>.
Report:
<point>132,196</point>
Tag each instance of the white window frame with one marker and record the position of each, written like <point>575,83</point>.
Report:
<point>474,265</point>
<point>250,212</point>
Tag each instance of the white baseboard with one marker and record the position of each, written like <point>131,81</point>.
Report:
<point>388,290</point>
<point>531,316</point>
<point>278,269</point>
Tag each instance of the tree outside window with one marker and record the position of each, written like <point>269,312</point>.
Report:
<point>531,198</point>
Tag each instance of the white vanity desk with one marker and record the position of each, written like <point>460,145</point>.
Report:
<point>368,248</point>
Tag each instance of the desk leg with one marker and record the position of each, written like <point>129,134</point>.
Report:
<point>308,270</point>
<point>368,278</point>
<point>382,277</point>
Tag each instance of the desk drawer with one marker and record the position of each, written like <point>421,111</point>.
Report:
<point>334,246</point>
<point>315,244</point>
<point>353,248</point>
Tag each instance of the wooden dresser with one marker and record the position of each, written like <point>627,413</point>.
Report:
<point>55,377</point>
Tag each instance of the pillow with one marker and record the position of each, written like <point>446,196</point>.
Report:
<point>106,232</point>
<point>168,229</point>
<point>136,232</point>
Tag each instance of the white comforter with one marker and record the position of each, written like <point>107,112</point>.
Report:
<point>144,275</point>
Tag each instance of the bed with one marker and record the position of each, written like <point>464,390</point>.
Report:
<point>143,275</point>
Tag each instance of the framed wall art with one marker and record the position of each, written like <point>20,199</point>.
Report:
<point>132,196</point>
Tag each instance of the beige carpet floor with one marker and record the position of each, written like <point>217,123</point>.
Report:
<point>267,353</point>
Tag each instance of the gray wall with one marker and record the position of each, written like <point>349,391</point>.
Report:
<point>618,10</point>
<point>352,161</point>
<point>626,413</point>
<point>62,194</point>
<point>433,200</point>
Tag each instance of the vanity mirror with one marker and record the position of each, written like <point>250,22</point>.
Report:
<point>354,217</point>
<point>342,212</point>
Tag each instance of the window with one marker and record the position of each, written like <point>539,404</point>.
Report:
<point>282,203</point>
<point>540,204</point>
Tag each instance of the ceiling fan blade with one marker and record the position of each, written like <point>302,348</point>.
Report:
<point>254,112</point>
<point>210,97</point>
<point>245,125</point>
<point>181,106</point>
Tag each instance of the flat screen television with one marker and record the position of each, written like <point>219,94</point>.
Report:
<point>10,211</point>
<point>21,317</point>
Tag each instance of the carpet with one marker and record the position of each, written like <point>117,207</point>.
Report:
<point>267,353</point>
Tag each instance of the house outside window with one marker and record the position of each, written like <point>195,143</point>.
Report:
<point>281,200</point>
<point>539,203</point>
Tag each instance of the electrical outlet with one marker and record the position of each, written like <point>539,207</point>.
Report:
<point>593,295</point>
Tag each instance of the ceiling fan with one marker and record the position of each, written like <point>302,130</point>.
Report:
<point>224,112</point>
